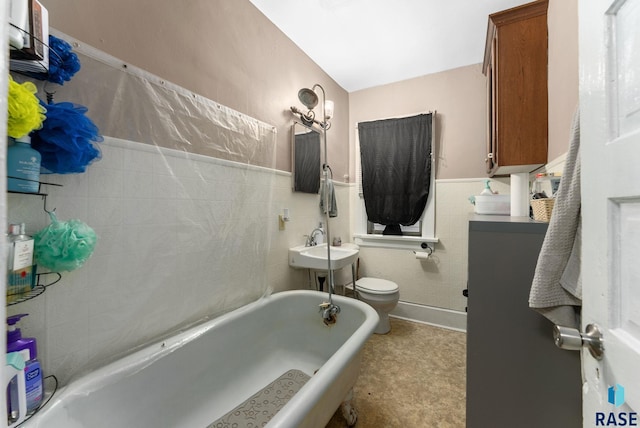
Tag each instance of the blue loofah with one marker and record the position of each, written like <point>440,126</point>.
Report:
<point>63,63</point>
<point>65,139</point>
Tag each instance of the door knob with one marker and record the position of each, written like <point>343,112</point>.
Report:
<point>571,339</point>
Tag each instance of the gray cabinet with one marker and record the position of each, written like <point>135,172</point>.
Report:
<point>516,376</point>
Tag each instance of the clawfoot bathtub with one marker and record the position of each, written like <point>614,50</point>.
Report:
<point>272,362</point>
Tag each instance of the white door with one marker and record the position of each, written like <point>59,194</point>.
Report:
<point>610,153</point>
<point>4,84</point>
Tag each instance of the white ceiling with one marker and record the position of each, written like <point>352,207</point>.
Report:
<point>366,43</point>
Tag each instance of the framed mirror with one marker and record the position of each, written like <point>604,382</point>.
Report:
<point>306,166</point>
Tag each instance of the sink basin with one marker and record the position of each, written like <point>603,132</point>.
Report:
<point>316,257</point>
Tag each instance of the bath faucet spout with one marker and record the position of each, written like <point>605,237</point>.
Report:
<point>330,312</point>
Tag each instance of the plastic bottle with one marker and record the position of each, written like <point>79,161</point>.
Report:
<point>32,371</point>
<point>20,269</point>
<point>23,166</point>
<point>16,394</point>
<point>487,189</point>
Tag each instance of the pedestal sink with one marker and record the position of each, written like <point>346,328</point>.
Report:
<point>316,257</point>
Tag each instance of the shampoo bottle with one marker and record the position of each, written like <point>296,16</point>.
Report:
<point>23,166</point>
<point>32,373</point>
<point>21,275</point>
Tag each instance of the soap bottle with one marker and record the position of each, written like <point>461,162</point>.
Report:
<point>487,189</point>
<point>32,372</point>
<point>23,166</point>
<point>21,272</point>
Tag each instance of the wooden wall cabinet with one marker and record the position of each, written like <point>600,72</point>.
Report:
<point>515,63</point>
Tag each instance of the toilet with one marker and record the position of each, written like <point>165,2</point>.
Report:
<point>382,295</point>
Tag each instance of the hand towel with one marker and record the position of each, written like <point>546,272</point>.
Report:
<point>556,291</point>
<point>333,207</point>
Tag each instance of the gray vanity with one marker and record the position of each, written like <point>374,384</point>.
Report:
<point>516,376</point>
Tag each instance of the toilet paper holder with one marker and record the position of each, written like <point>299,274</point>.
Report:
<point>427,250</point>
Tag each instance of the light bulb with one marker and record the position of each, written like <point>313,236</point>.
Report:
<point>328,109</point>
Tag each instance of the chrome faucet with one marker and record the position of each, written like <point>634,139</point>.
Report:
<point>311,239</point>
<point>329,312</point>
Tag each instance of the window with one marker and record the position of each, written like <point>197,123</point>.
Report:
<point>418,225</point>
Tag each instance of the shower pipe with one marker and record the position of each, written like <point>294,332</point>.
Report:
<point>309,98</point>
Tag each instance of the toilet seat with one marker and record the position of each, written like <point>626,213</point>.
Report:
<point>376,286</point>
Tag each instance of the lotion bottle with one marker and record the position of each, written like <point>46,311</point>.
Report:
<point>32,372</point>
<point>487,189</point>
<point>23,166</point>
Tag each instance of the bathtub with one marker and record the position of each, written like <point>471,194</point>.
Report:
<point>218,371</point>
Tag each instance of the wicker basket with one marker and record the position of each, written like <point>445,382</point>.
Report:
<point>542,208</point>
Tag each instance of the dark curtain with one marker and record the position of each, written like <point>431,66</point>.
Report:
<point>396,169</point>
<point>307,163</point>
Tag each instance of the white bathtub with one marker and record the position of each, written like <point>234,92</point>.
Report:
<point>198,376</point>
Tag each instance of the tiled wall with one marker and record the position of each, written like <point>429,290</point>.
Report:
<point>179,238</point>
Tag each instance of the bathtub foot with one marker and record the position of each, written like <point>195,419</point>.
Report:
<point>348,411</point>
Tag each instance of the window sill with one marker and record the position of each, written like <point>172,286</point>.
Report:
<point>397,242</point>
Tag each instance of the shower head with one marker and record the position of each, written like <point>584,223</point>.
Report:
<point>308,98</point>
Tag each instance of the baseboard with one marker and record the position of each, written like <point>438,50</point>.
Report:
<point>439,317</point>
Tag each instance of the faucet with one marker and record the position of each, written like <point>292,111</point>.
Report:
<point>311,239</point>
<point>329,312</point>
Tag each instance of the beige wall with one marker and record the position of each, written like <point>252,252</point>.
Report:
<point>563,73</point>
<point>458,96</point>
<point>224,50</point>
<point>243,61</point>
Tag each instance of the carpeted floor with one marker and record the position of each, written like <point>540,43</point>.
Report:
<point>412,377</point>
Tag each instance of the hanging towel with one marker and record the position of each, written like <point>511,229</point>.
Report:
<point>556,291</point>
<point>333,207</point>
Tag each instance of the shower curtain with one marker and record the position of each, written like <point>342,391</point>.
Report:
<point>396,169</point>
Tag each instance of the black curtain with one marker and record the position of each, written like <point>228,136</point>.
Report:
<point>395,156</point>
<point>307,162</point>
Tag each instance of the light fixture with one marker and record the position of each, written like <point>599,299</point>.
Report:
<point>309,99</point>
<point>328,109</point>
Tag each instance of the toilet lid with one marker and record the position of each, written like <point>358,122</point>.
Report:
<point>376,285</point>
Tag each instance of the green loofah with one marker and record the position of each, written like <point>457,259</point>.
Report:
<point>64,246</point>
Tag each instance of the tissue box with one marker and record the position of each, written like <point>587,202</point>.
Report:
<point>493,204</point>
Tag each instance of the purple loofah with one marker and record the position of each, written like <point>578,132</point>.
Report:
<point>66,139</point>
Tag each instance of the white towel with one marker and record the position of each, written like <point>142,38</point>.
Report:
<point>556,291</point>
